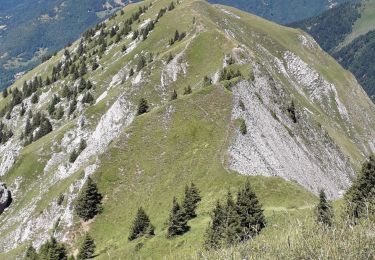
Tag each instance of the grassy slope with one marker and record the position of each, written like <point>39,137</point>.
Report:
<point>187,148</point>
<point>155,158</point>
<point>365,23</point>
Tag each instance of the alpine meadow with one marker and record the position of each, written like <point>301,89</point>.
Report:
<point>187,130</point>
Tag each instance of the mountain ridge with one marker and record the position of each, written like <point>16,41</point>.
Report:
<point>328,130</point>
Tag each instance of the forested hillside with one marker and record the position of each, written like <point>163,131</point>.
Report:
<point>347,33</point>
<point>32,29</point>
<point>282,11</point>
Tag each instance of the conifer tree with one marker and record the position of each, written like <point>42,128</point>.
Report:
<point>66,92</point>
<point>72,106</point>
<point>59,113</point>
<point>324,211</point>
<point>52,250</point>
<point>28,127</point>
<point>82,145</point>
<point>243,127</point>
<point>73,156</point>
<point>87,248</point>
<point>89,201</point>
<point>141,63</point>
<point>142,106</point>
<point>177,223</point>
<point>131,72</point>
<point>292,112</point>
<point>215,231</point>
<point>170,58</point>
<point>191,201</point>
<point>35,98</point>
<point>88,98</point>
<point>5,93</point>
<point>95,65</point>
<point>187,90</point>
<point>141,226</point>
<point>360,197</point>
<point>174,95</point>
<point>250,213</point>
<point>232,222</point>
<point>176,36</point>
<point>31,253</point>
<point>207,81</point>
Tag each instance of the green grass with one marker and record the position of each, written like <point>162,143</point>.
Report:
<point>179,141</point>
<point>188,148</point>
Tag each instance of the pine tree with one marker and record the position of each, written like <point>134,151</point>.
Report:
<point>324,210</point>
<point>72,106</point>
<point>28,127</point>
<point>35,98</point>
<point>88,98</point>
<point>207,81</point>
<point>66,92</point>
<point>170,58</point>
<point>59,113</point>
<point>215,231</point>
<point>176,36</point>
<point>191,201</point>
<point>5,93</point>
<point>131,72</point>
<point>142,106</point>
<point>174,95</point>
<point>87,248</point>
<point>360,197</point>
<point>52,250</point>
<point>232,222</point>
<point>31,253</point>
<point>243,127</point>
<point>187,90</point>
<point>82,85</point>
<point>141,63</point>
<point>141,226</point>
<point>89,201</point>
<point>177,223</point>
<point>250,213</point>
<point>73,156</point>
<point>82,145</point>
<point>292,112</point>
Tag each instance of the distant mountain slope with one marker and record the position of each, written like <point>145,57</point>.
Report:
<point>282,11</point>
<point>30,29</point>
<point>256,101</point>
<point>347,33</point>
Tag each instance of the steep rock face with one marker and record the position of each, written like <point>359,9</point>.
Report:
<point>275,146</point>
<point>5,197</point>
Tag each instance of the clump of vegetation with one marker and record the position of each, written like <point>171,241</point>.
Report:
<point>238,221</point>
<point>243,127</point>
<point>187,90</point>
<point>207,81</point>
<point>177,37</point>
<point>228,74</point>
<point>292,112</point>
